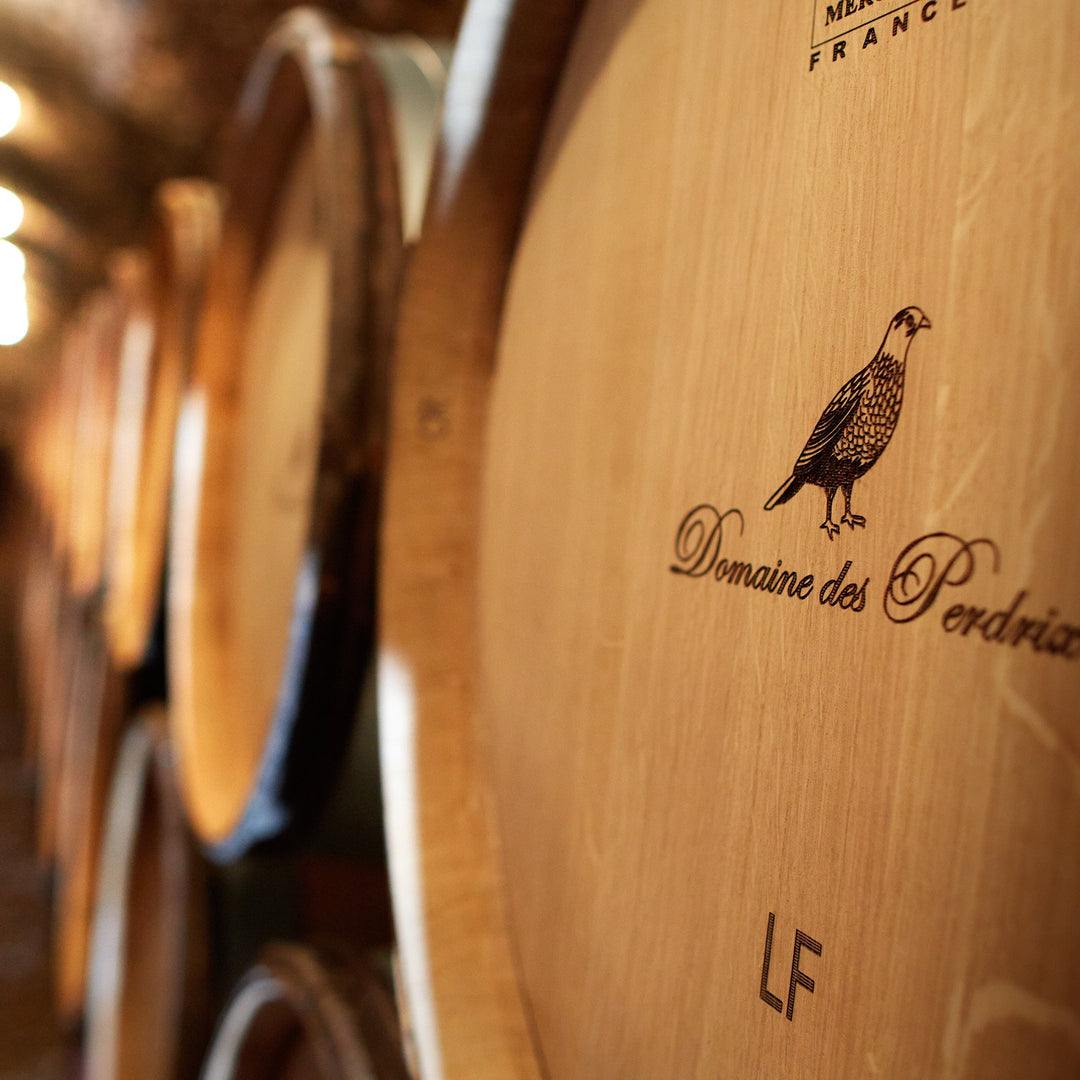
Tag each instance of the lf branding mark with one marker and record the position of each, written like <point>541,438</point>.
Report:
<point>798,976</point>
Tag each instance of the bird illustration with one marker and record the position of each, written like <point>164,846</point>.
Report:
<point>857,424</point>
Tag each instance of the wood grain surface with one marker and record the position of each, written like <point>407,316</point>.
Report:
<point>463,1001</point>
<point>813,829</point>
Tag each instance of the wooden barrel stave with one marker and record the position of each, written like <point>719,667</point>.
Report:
<point>457,962</point>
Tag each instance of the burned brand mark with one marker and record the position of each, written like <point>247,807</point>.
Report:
<point>930,568</point>
<point>845,28</point>
<point>856,426</point>
<point>928,573</point>
<point>698,545</point>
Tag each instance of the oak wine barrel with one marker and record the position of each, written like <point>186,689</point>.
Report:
<point>159,342</point>
<point>63,428</point>
<point>280,444</point>
<point>148,980</point>
<point>307,1013</point>
<point>102,335</point>
<point>729,609</point>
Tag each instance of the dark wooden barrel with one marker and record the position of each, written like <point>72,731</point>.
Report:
<point>155,362</point>
<point>311,1014</point>
<point>96,712</point>
<point>148,982</point>
<point>280,443</point>
<point>720,739</point>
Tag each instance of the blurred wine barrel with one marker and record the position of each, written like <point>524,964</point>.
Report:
<point>770,794</point>
<point>280,443</point>
<point>307,1013</point>
<point>155,364</point>
<point>100,337</point>
<point>64,428</point>
<point>97,701</point>
<point>148,982</point>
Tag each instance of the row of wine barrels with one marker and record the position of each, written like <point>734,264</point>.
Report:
<point>683,780</point>
<point>336,104</point>
<point>152,979</point>
<point>99,458</point>
<point>280,445</point>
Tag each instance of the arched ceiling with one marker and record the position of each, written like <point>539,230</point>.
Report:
<point>118,95</point>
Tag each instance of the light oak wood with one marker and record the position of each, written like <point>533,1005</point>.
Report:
<point>465,1009</point>
<point>155,360</point>
<point>148,982</point>
<point>279,457</point>
<point>58,500</point>
<point>718,238</point>
<point>305,1013</point>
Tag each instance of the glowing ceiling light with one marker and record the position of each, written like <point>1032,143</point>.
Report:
<point>11,212</point>
<point>12,263</point>
<point>14,317</point>
<point>9,108</point>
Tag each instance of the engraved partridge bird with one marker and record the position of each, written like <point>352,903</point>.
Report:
<point>856,425</point>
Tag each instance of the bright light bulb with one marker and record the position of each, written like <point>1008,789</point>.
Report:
<point>14,317</point>
<point>12,263</point>
<point>11,212</point>
<point>9,108</point>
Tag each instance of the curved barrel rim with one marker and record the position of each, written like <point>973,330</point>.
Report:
<point>143,775</point>
<point>347,1017</point>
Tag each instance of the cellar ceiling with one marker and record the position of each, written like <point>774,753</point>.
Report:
<point>117,95</point>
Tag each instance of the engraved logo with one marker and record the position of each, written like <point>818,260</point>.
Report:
<point>849,27</point>
<point>857,424</point>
